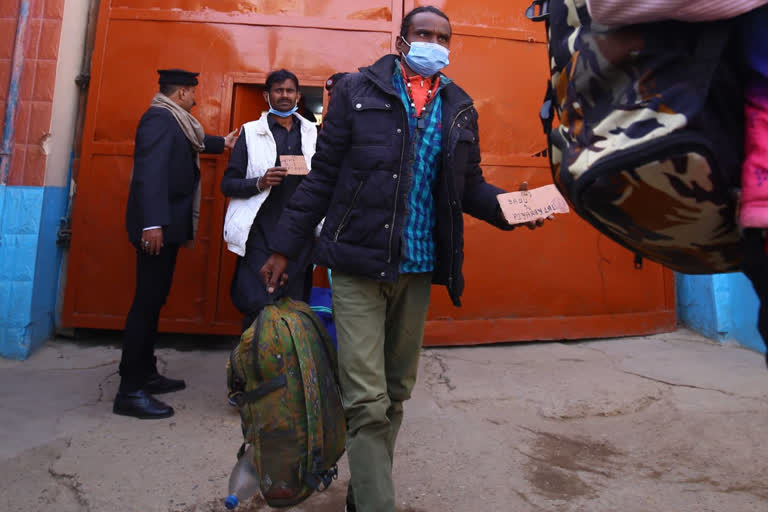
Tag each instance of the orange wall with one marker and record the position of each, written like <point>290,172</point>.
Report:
<point>33,115</point>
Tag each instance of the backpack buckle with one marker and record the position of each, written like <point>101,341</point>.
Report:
<point>538,10</point>
<point>547,111</point>
<point>237,397</point>
<point>321,480</point>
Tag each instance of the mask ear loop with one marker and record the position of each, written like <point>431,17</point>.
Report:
<point>409,46</point>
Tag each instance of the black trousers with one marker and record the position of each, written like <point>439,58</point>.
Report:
<point>756,269</point>
<point>154,275</point>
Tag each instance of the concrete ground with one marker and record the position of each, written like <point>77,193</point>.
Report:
<point>661,423</point>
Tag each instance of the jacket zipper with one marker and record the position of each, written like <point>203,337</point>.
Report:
<point>452,200</point>
<point>349,211</point>
<point>397,187</point>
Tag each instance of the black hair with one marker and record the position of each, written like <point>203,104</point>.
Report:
<point>169,89</point>
<point>424,8</point>
<point>280,76</point>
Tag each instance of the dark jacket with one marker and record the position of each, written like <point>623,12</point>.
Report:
<point>360,181</point>
<point>165,177</point>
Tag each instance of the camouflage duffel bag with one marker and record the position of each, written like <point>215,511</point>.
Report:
<point>650,137</point>
<point>283,377</point>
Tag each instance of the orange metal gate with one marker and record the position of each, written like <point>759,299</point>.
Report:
<point>564,281</point>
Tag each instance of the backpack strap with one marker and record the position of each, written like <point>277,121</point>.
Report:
<point>547,111</point>
<point>246,400</point>
<point>261,391</point>
<point>327,344</point>
<point>538,10</point>
<point>303,348</point>
<point>709,50</point>
<point>250,433</point>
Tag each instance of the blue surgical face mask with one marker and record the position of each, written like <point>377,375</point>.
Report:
<point>282,114</point>
<point>426,59</point>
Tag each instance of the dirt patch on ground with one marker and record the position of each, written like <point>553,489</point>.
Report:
<point>555,462</point>
<point>557,484</point>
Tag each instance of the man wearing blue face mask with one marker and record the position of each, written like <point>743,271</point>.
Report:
<point>397,162</point>
<point>260,188</point>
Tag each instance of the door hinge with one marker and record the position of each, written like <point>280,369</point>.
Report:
<point>64,234</point>
<point>82,80</point>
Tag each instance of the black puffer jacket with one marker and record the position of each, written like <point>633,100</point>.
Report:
<point>360,181</point>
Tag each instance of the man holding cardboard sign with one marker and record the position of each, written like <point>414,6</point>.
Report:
<point>269,161</point>
<point>398,163</point>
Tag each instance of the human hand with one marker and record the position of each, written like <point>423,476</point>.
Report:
<point>152,241</point>
<point>231,138</point>
<point>273,272</point>
<point>272,178</point>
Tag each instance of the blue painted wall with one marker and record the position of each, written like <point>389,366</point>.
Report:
<point>30,266</point>
<point>696,304</point>
<point>721,306</point>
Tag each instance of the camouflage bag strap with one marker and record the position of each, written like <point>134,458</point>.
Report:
<point>246,358</point>
<point>302,345</point>
<point>320,478</point>
<point>329,349</point>
<point>538,11</point>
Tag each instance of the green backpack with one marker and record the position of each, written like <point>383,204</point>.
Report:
<point>283,377</point>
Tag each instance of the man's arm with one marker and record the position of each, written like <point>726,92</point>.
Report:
<point>480,199</point>
<point>154,144</point>
<point>215,144</point>
<point>310,202</point>
<point>480,196</point>
<point>234,183</point>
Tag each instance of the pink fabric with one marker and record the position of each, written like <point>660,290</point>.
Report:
<point>754,173</point>
<point>627,12</point>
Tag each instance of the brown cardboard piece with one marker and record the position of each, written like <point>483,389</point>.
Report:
<point>531,205</point>
<point>295,164</point>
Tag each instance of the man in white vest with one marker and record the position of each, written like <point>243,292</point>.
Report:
<point>260,187</point>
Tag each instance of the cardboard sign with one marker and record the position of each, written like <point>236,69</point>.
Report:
<point>295,164</point>
<point>531,205</point>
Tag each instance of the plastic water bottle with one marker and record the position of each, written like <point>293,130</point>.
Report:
<point>244,481</point>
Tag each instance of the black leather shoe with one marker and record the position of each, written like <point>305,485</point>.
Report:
<point>142,405</point>
<point>157,385</point>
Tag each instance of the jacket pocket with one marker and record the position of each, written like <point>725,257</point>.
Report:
<point>352,204</point>
<point>373,121</point>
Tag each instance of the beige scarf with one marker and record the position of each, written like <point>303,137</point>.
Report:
<point>195,134</point>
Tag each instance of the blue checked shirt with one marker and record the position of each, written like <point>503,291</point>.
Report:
<point>426,147</point>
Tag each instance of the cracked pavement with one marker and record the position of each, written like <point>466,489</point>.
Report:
<point>670,422</point>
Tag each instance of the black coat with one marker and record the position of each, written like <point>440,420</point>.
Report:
<point>360,181</point>
<point>165,177</point>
